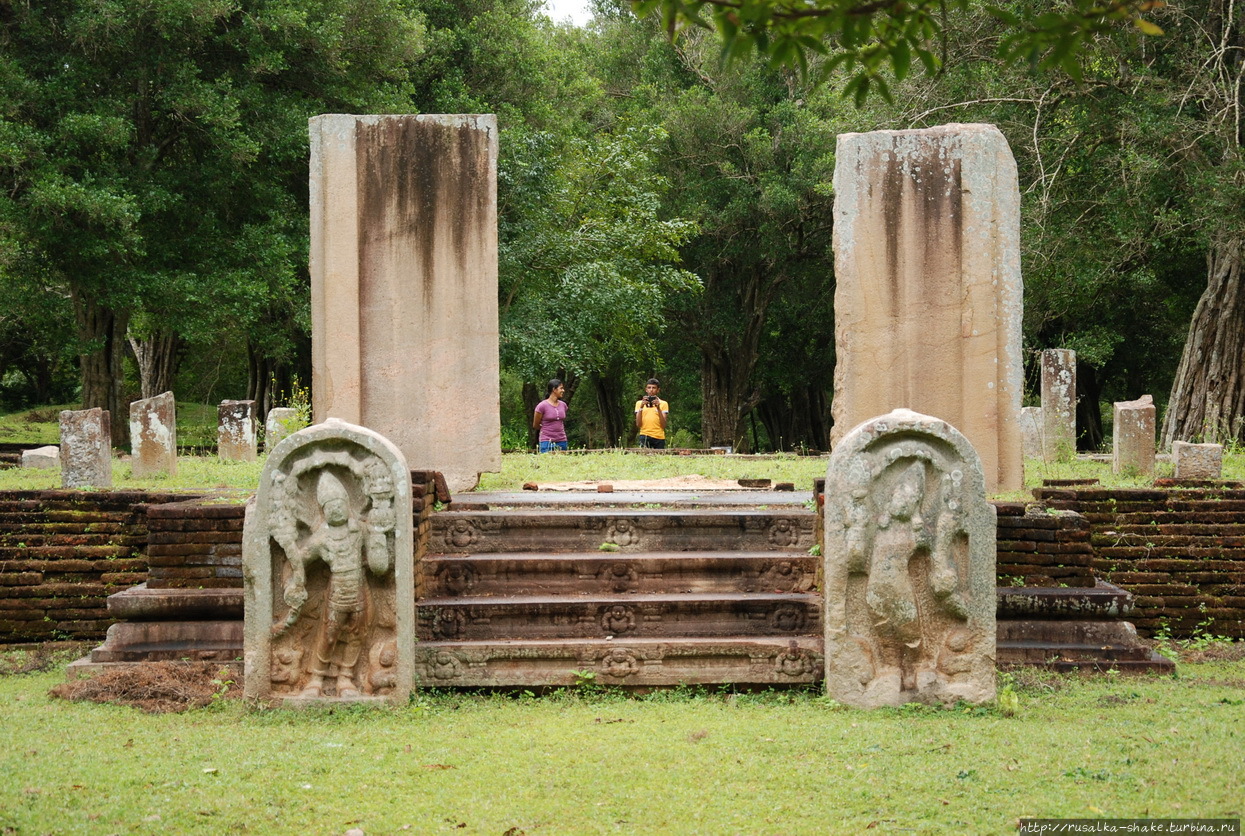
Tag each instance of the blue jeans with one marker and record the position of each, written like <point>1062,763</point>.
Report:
<point>547,446</point>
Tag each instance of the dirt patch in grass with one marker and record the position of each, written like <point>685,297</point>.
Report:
<point>36,658</point>
<point>156,687</point>
<point>1219,651</point>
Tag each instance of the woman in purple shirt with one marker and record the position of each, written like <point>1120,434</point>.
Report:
<point>550,417</point>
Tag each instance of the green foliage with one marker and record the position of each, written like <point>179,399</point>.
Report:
<point>873,42</point>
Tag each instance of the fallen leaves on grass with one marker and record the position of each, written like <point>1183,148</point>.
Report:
<point>155,687</point>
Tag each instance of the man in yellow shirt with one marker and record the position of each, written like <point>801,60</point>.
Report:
<point>651,414</point>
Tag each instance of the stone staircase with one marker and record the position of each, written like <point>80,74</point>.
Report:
<point>620,594</point>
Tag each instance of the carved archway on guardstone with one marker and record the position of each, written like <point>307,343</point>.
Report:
<point>328,568</point>
<point>909,566</point>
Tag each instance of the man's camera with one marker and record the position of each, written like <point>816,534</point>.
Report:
<point>650,400</point>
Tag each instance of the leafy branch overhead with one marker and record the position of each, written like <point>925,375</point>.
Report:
<point>867,39</point>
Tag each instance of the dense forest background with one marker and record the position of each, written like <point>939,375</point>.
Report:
<point>662,212</point>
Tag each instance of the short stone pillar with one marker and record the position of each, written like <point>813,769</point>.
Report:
<point>1058,404</point>
<point>153,436</point>
<point>42,458</point>
<point>1031,431</point>
<point>1197,461</point>
<point>404,285</point>
<point>86,448</point>
<point>328,571</point>
<point>909,566</point>
<point>279,424</point>
<point>236,436</point>
<point>929,296</point>
<point>1132,436</point>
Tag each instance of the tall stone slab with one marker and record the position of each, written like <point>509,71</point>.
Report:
<point>1031,431</point>
<point>1058,404</point>
<point>404,285</point>
<point>86,448</point>
<point>1132,436</point>
<point>236,435</point>
<point>153,436</point>
<point>928,299</point>
<point>909,566</point>
<point>328,571</point>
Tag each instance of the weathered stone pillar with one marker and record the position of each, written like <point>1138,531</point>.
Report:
<point>909,566</point>
<point>1031,431</point>
<point>153,436</point>
<point>404,285</point>
<point>1058,404</point>
<point>1197,461</point>
<point>1132,436</point>
<point>86,448</point>
<point>328,570</point>
<point>928,300</point>
<point>236,436</point>
<point>278,425</point>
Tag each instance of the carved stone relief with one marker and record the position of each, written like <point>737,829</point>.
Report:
<point>909,566</point>
<point>328,569</point>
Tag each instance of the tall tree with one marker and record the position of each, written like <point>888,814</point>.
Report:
<point>155,153</point>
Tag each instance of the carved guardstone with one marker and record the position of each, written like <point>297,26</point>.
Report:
<point>328,569</point>
<point>909,572</point>
<point>153,436</point>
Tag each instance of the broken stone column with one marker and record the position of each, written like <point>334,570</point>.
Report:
<point>1058,404</point>
<point>1031,431</point>
<point>404,285</point>
<point>236,436</point>
<point>1197,461</point>
<point>42,458</point>
<point>328,571</point>
<point>279,424</point>
<point>909,566</point>
<point>928,299</point>
<point>86,448</point>
<point>1132,436</point>
<point>153,436</point>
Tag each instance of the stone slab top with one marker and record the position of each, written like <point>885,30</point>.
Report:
<point>485,500</point>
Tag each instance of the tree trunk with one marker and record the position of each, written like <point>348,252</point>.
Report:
<point>617,419</point>
<point>1088,411</point>
<point>727,395</point>
<point>1208,395</point>
<point>157,356</point>
<point>103,333</point>
<point>797,421</point>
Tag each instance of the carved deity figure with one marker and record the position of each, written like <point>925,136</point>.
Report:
<point>908,567</point>
<point>326,546</point>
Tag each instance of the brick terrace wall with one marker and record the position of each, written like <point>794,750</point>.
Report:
<point>1179,550</point>
<point>1043,549</point>
<point>195,545</point>
<point>62,553</point>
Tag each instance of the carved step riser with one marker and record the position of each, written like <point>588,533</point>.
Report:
<point>483,533</point>
<point>617,665</point>
<point>597,621</point>
<point>617,575</point>
<point>1007,653</point>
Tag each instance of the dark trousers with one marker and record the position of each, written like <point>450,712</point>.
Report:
<point>651,443</point>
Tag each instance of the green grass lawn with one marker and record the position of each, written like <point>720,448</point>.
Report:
<point>671,762</point>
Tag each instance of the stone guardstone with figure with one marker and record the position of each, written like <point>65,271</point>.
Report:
<point>909,566</point>
<point>328,556</point>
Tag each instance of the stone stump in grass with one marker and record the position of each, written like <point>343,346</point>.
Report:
<point>909,566</point>
<point>86,448</point>
<point>278,425</point>
<point>1197,461</point>
<point>328,570</point>
<point>1132,437</point>
<point>1031,431</point>
<point>236,433</point>
<point>153,436</point>
<point>42,458</point>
